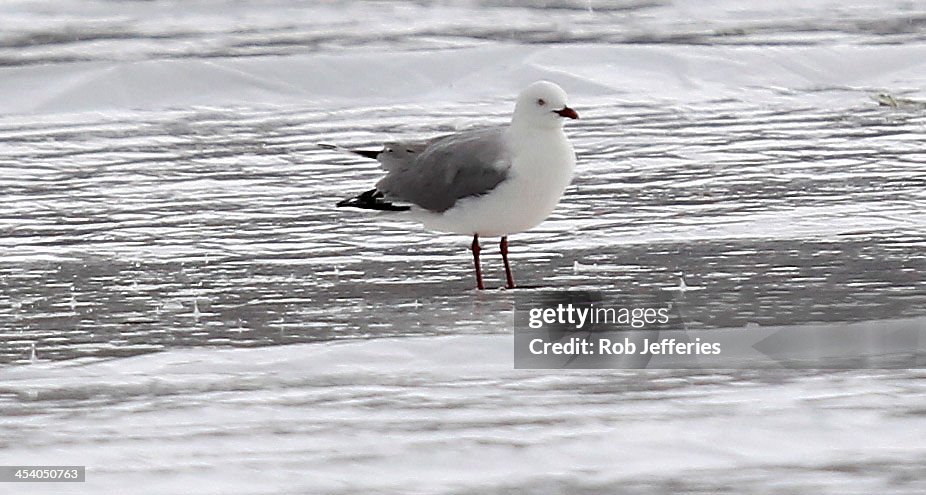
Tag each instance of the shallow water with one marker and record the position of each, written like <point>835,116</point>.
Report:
<point>163,202</point>
<point>160,229</point>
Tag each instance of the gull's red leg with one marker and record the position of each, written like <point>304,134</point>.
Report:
<point>475,247</point>
<point>503,247</point>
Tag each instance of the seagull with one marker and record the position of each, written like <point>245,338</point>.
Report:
<point>489,182</point>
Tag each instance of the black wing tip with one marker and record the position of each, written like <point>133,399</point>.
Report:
<point>371,200</point>
<point>364,153</point>
<point>367,153</point>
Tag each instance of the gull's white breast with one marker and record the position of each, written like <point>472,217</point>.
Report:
<point>542,163</point>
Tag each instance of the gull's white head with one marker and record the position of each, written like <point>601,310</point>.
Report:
<point>542,104</point>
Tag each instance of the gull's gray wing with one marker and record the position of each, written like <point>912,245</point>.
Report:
<point>436,174</point>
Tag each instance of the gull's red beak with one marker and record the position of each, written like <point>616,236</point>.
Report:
<point>567,112</point>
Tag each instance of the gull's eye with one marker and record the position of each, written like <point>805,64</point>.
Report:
<point>541,101</point>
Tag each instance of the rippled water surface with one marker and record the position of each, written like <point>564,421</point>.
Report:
<point>134,233</point>
<point>181,304</point>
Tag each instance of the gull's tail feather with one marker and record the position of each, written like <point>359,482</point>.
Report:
<point>372,200</point>
<point>364,153</point>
